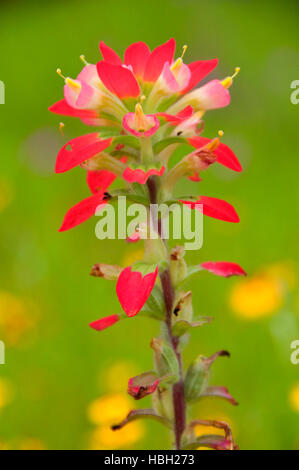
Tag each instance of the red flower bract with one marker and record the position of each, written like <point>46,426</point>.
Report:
<point>133,289</point>
<point>104,323</point>
<point>118,79</point>
<point>223,268</point>
<point>224,154</point>
<point>138,175</point>
<point>78,150</point>
<point>82,211</point>
<point>213,207</point>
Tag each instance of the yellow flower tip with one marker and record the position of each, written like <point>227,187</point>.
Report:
<point>237,70</point>
<point>82,57</point>
<point>185,47</point>
<point>61,126</point>
<point>198,114</point>
<point>177,64</point>
<point>142,98</point>
<point>138,110</point>
<point>294,398</point>
<point>58,71</point>
<point>215,142</point>
<point>228,81</point>
<point>75,86</point>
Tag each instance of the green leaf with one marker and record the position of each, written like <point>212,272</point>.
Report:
<point>190,271</point>
<point>155,304</point>
<point>162,144</point>
<point>129,140</point>
<point>165,359</point>
<point>109,131</point>
<point>196,378</point>
<point>182,327</point>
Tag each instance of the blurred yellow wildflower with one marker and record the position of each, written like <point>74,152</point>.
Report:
<point>263,293</point>
<point>133,256</point>
<point>113,408</point>
<point>6,392</point>
<point>103,438</point>
<point>31,443</point>
<point>117,376</point>
<point>14,318</point>
<point>4,445</point>
<point>294,398</point>
<point>109,409</point>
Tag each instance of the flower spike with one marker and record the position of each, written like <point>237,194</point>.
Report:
<point>145,108</point>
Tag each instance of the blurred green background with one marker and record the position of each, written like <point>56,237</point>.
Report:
<point>61,377</point>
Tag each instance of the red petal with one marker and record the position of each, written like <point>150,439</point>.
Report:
<point>61,107</point>
<point>118,80</point>
<point>81,211</point>
<point>175,119</point>
<point>137,55</point>
<point>99,180</point>
<point>104,323</point>
<point>109,54</point>
<point>133,290</point>
<point>216,208</point>
<point>82,148</point>
<point>223,268</point>
<point>225,156</point>
<point>140,176</point>
<point>199,70</point>
<point>185,113</point>
<point>157,59</point>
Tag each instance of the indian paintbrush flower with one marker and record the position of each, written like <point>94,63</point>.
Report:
<point>144,107</point>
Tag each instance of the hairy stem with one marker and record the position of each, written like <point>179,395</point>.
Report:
<point>179,404</point>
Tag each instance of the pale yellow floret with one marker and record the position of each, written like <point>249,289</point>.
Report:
<point>75,86</point>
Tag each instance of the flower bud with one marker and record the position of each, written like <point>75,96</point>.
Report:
<point>178,266</point>
<point>106,271</point>
<point>197,375</point>
<point>165,360</point>
<point>163,403</point>
<point>183,309</point>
